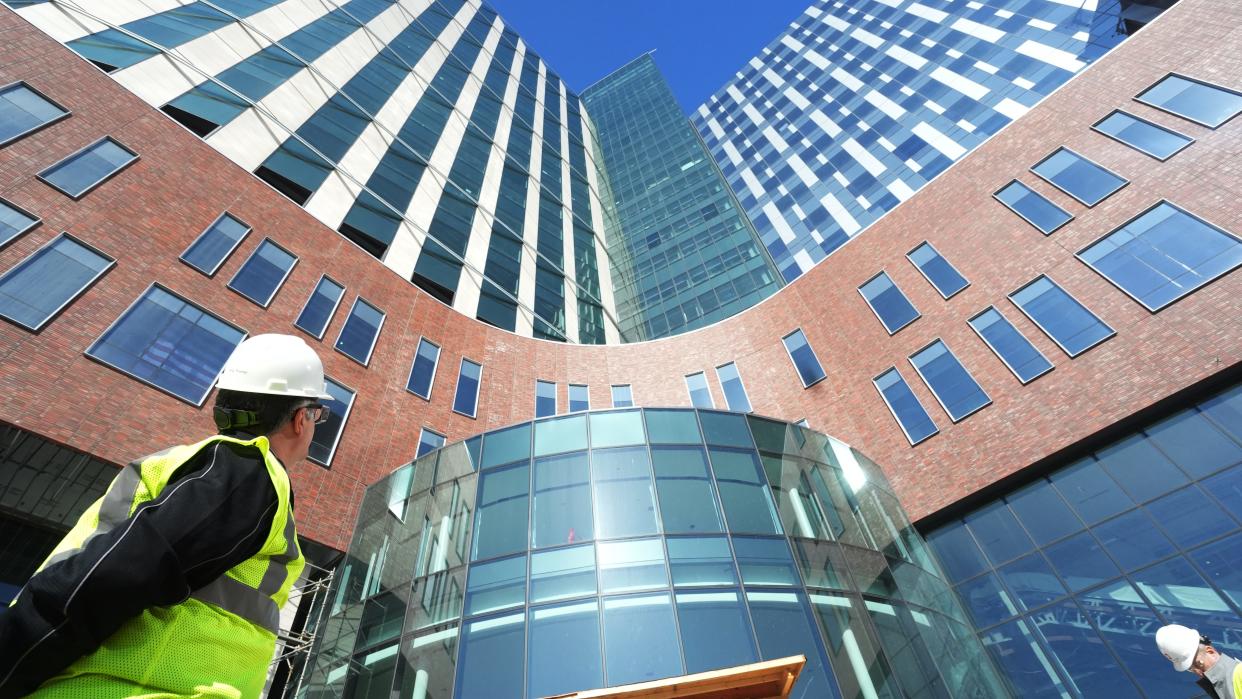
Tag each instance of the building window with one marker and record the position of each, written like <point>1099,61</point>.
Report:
<point>360,332</point>
<point>1144,136</point>
<point>958,392</point>
<point>1163,254</point>
<point>44,283</point>
<point>622,396</point>
<point>545,398</point>
<point>579,398</point>
<point>469,377</point>
<point>1078,177</point>
<point>803,358</point>
<point>700,396</point>
<point>888,303</point>
<point>328,435</point>
<point>1198,101</point>
<point>320,307</point>
<point>1017,352</point>
<point>905,406</point>
<point>942,275</point>
<point>428,440</point>
<point>1074,328</point>
<point>24,110</point>
<point>423,370</point>
<point>1033,207</point>
<point>214,245</point>
<point>169,343</point>
<point>262,274</point>
<point>734,391</point>
<point>14,222</point>
<point>88,168</point>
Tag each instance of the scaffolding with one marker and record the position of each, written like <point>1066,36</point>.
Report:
<point>295,638</point>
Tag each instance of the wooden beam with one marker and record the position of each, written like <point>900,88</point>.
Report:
<point>770,679</point>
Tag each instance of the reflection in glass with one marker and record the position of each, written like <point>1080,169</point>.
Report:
<point>1081,562</point>
<point>563,649</point>
<point>672,427</point>
<point>616,429</point>
<point>624,494</point>
<point>714,630</point>
<point>784,627</point>
<point>427,664</point>
<point>559,435</point>
<point>1126,623</point>
<point>562,506</point>
<point>626,566</point>
<point>1032,582</point>
<point>904,634</point>
<point>687,498</point>
<point>501,516</point>
<point>494,585</point>
<point>491,660</point>
<point>744,492</point>
<point>861,669</point>
<point>1078,650</point>
<point>764,561</point>
<point>506,446</point>
<point>640,640</point>
<point>562,573</point>
<point>701,561</point>
<point>1014,648</point>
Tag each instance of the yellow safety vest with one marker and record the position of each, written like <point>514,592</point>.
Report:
<point>217,643</point>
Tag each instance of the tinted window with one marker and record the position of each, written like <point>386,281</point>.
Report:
<point>82,171</point>
<point>39,286</point>
<point>1058,314</point>
<point>169,343</point>
<point>214,245</point>
<point>562,573</point>
<point>1140,134</point>
<point>888,303</point>
<point>701,561</point>
<point>953,386</point>
<point>1033,207</point>
<point>562,508</point>
<point>579,398</point>
<point>731,384</point>
<point>500,524</point>
<point>803,357</point>
<point>1011,346</point>
<point>496,585</point>
<point>1078,177</point>
<point>428,441</point>
<point>939,272</point>
<point>784,628</point>
<point>564,649</point>
<point>905,406</point>
<point>491,663</point>
<point>715,631</point>
<point>545,398</point>
<point>23,110</point>
<point>14,222</point>
<point>622,397</point>
<point>423,371</point>
<point>328,434</point>
<point>1201,102</point>
<point>624,494</point>
<point>744,492</point>
<point>640,639</point>
<point>263,272</point>
<point>361,330</point>
<point>687,498</point>
<point>320,307</point>
<point>700,396</point>
<point>1163,255</point>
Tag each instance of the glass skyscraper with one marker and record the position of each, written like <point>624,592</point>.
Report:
<point>691,256</point>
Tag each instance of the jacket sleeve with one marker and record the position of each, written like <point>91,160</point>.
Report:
<point>215,513</point>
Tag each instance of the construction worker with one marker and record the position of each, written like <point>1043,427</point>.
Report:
<point>170,585</point>
<point>1219,675</point>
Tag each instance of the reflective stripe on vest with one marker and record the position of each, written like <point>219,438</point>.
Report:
<point>254,604</point>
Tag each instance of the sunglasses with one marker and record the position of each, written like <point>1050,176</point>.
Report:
<point>317,413</point>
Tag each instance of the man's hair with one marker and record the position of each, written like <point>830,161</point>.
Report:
<point>271,412</point>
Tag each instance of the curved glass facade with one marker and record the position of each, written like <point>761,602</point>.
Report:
<point>613,547</point>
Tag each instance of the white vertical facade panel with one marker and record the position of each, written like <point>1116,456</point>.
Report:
<point>567,224</point>
<point>63,24</point>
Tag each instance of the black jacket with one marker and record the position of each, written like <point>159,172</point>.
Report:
<point>219,516</point>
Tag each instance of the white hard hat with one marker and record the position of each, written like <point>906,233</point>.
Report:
<point>1179,644</point>
<point>278,365</point>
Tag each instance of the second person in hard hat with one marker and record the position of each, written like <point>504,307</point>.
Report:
<point>1218,674</point>
<point>171,584</point>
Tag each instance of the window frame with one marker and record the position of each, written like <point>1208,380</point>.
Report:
<point>374,340</point>
<point>936,395</point>
<point>227,255</point>
<point>1084,158</point>
<point>1149,122</point>
<point>690,392</point>
<point>33,225</point>
<point>745,393</point>
<point>245,334</point>
<point>900,425</point>
<point>477,389</point>
<point>63,235</point>
<point>279,285</point>
<point>795,364</point>
<point>1139,98</point>
<point>17,137</point>
<point>435,367</point>
<point>41,175</point>
<point>331,314</point>
<point>996,196</point>
<point>969,321</point>
<point>336,441</point>
<point>929,279</point>
<point>917,313</point>
<point>1144,212</point>
<point>1112,331</point>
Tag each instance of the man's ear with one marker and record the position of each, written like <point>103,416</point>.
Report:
<point>298,422</point>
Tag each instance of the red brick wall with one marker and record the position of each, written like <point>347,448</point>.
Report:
<point>147,215</point>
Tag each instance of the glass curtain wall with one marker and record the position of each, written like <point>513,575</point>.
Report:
<point>502,566</point>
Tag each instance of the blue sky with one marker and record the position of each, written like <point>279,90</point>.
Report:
<point>699,44</point>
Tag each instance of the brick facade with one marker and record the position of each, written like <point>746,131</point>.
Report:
<point>147,215</point>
